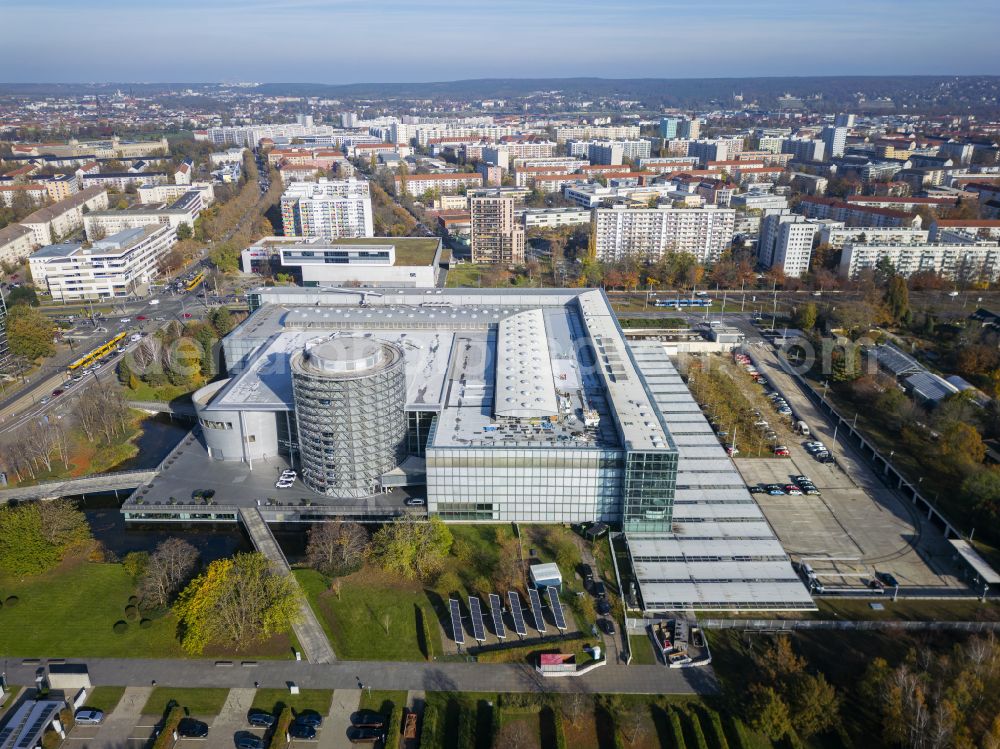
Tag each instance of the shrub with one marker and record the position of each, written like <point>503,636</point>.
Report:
<point>131,613</point>
<point>120,627</point>
<point>165,739</point>
<point>428,731</point>
<point>133,600</point>
<point>145,623</point>
<point>12,601</point>
<point>279,737</point>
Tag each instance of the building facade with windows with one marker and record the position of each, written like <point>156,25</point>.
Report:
<point>327,208</point>
<point>497,237</point>
<point>648,233</point>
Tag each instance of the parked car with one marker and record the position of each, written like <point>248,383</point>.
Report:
<point>261,719</point>
<point>781,451</point>
<point>586,572</point>
<point>811,490</point>
<point>368,719</point>
<point>414,502</point>
<point>607,626</point>
<point>302,731</point>
<point>288,473</point>
<point>190,728</point>
<point>284,483</point>
<point>757,489</point>
<point>887,579</point>
<point>309,718</point>
<point>776,492</point>
<point>801,480</point>
<point>57,392</point>
<point>247,740</point>
<point>603,607</point>
<point>88,716</point>
<point>598,589</point>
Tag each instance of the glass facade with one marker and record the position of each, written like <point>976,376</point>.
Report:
<point>648,490</point>
<point>351,427</point>
<point>530,484</point>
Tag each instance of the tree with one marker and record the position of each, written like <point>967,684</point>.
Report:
<point>184,231</point>
<point>34,538</point>
<point>222,321</point>
<point>22,295</point>
<point>135,564</point>
<point>29,333</point>
<point>815,704</point>
<point>410,549</point>
<point>961,447</point>
<point>982,490</point>
<point>235,603</point>
<point>805,318</point>
<point>336,549</point>
<point>169,567</point>
<point>897,299</point>
<point>767,713</point>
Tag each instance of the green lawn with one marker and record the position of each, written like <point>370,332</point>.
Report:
<point>197,701</point>
<point>70,611</point>
<point>274,700</point>
<point>162,393</point>
<point>105,698</point>
<point>356,621</point>
<point>467,274</point>
<point>642,650</point>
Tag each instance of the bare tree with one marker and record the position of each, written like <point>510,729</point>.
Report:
<point>336,548</point>
<point>170,566</point>
<point>62,523</point>
<point>59,437</point>
<point>38,442</point>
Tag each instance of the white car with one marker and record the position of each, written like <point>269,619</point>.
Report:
<point>126,319</point>
<point>288,473</point>
<point>86,716</point>
<point>284,484</point>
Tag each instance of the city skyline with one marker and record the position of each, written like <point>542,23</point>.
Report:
<point>245,41</point>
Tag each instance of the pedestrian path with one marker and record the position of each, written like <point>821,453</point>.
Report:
<point>309,632</point>
<point>334,733</point>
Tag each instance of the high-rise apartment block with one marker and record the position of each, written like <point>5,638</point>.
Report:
<point>648,233</point>
<point>496,236</point>
<point>328,208</point>
<point>786,241</point>
<point>834,141</point>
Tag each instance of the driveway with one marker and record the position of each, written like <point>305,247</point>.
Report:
<point>118,731</point>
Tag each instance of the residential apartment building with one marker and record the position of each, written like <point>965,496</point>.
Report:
<point>836,234</point>
<point>967,262</point>
<point>121,180</point>
<point>60,186</point>
<point>184,210</point>
<point>153,194</point>
<point>16,243</point>
<point>804,149</point>
<point>229,156</point>
<point>59,219</point>
<point>418,184</point>
<point>595,132</point>
<point>121,265</point>
<point>496,236</point>
<point>853,214</point>
<point>834,141</point>
<point>648,233</point>
<point>972,228</point>
<point>11,193</point>
<point>327,208</point>
<point>550,218</point>
<point>786,242</point>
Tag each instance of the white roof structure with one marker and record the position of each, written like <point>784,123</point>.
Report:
<point>972,557</point>
<point>722,554</point>
<point>524,385</point>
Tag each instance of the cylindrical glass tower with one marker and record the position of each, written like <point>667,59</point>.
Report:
<point>349,395</point>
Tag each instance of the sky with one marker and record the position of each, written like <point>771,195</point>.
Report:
<point>355,41</point>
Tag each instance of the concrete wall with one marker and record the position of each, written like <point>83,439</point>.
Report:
<point>235,435</point>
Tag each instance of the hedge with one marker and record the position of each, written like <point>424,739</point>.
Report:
<point>466,728</point>
<point>395,728</point>
<point>715,734</point>
<point>428,731</point>
<point>696,731</point>
<point>279,738</point>
<point>131,613</point>
<point>120,627</point>
<point>676,729</point>
<point>12,601</point>
<point>557,720</point>
<point>165,738</point>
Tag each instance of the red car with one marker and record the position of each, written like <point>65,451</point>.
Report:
<point>187,314</point>
<point>781,452</point>
<point>141,317</point>
<point>57,392</point>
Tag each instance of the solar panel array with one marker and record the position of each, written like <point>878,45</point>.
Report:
<point>497,611</point>
<point>517,612</point>
<point>478,629</point>
<point>556,605</point>
<point>456,622</point>
<point>536,609</point>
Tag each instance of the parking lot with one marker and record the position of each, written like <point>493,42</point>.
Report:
<point>131,725</point>
<point>856,518</point>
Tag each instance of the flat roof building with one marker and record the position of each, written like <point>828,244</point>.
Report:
<point>648,233</point>
<point>327,208</point>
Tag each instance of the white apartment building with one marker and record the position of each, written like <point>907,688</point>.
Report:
<point>611,152</point>
<point>648,233</point>
<point>595,132</point>
<point>836,234</point>
<point>327,208</point>
<point>667,164</point>
<point>153,194</point>
<point>121,180</point>
<point>15,243</point>
<point>184,210</point>
<point>834,141</point>
<point>759,201</point>
<point>59,219</point>
<point>229,156</point>
<point>418,184</point>
<point>804,149</point>
<point>786,241</point>
<point>550,218</point>
<point>121,265</point>
<point>969,262</point>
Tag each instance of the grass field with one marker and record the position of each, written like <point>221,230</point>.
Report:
<point>466,274</point>
<point>275,700</point>
<point>642,651</point>
<point>70,611</point>
<point>196,701</point>
<point>105,698</point>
